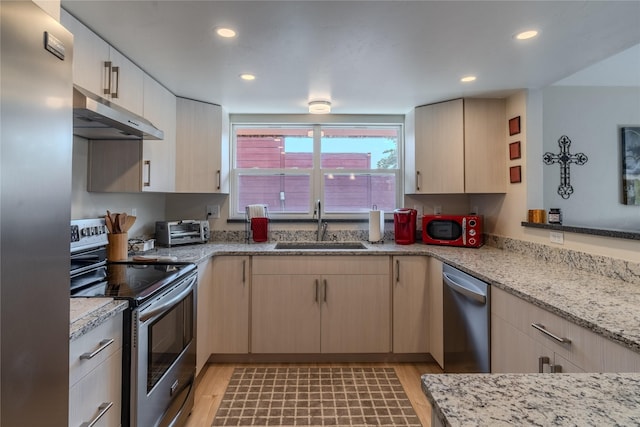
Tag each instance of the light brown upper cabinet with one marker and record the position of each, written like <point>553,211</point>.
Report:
<point>202,147</point>
<point>457,146</point>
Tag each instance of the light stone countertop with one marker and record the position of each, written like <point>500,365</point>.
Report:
<point>88,313</point>
<point>495,400</point>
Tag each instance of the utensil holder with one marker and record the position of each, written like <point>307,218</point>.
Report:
<point>117,250</point>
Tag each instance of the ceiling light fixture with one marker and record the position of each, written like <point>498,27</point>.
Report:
<point>225,32</point>
<point>247,76</point>
<point>467,79</point>
<point>525,35</point>
<point>319,107</point>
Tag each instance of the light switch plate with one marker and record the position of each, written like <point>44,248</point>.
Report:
<point>557,237</point>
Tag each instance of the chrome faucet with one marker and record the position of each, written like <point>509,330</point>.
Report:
<point>322,226</point>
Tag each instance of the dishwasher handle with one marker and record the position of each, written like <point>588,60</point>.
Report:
<point>464,290</point>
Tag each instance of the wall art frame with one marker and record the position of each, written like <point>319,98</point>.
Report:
<point>630,153</point>
<point>515,174</point>
<point>514,126</point>
<point>514,150</point>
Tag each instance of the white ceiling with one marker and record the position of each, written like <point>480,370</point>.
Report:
<point>367,57</point>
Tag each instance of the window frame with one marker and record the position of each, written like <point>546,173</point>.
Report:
<point>316,173</point>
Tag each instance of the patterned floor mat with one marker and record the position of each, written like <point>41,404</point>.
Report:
<point>315,397</point>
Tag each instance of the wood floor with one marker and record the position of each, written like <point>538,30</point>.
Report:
<point>214,380</point>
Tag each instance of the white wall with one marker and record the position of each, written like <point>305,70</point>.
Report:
<point>591,118</point>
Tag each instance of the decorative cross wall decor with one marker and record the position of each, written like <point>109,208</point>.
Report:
<point>565,159</point>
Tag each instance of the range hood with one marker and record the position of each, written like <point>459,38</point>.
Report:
<point>96,118</point>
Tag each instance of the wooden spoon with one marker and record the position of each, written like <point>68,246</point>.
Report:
<point>128,223</point>
<point>122,219</point>
<point>109,221</point>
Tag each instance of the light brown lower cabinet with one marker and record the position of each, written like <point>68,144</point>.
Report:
<point>320,304</point>
<point>95,376</point>
<point>410,304</point>
<point>228,305</point>
<point>527,338</point>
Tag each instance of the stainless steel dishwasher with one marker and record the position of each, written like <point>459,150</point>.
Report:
<point>466,301</point>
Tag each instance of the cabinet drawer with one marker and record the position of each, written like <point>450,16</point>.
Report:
<point>329,264</point>
<point>101,386</point>
<point>585,348</point>
<point>80,349</point>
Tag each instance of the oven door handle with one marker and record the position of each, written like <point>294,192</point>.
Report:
<point>163,307</point>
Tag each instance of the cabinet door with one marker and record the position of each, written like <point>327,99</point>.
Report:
<point>229,305</point>
<point>285,314</point>
<point>127,82</point>
<point>159,168</point>
<point>115,166</point>
<point>101,386</point>
<point>356,314</point>
<point>89,55</point>
<point>436,325</point>
<point>410,304</point>
<point>484,146</point>
<point>204,314</point>
<point>439,148</point>
<point>617,358</point>
<point>513,351</point>
<point>199,147</point>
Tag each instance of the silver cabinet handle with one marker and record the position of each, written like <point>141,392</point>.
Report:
<point>325,290</point>
<point>542,360</point>
<point>317,286</point>
<point>219,175</point>
<point>244,271</point>
<point>147,165</point>
<point>418,180</point>
<point>106,90</point>
<point>103,344</point>
<point>397,271</point>
<point>544,330</point>
<point>116,71</point>
<point>103,410</point>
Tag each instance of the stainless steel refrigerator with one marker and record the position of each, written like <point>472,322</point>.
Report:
<point>35,205</point>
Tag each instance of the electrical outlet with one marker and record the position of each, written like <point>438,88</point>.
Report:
<point>134,211</point>
<point>437,210</point>
<point>556,237</point>
<point>213,211</point>
<point>475,211</point>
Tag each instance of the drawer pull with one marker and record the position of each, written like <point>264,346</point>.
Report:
<point>544,330</point>
<point>103,344</point>
<point>103,410</point>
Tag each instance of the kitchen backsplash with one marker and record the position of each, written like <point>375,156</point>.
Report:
<point>605,266</point>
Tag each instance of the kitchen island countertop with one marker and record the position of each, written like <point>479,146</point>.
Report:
<point>495,400</point>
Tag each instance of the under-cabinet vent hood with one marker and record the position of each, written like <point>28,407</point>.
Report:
<point>96,118</point>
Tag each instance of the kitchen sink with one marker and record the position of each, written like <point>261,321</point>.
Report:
<point>320,245</point>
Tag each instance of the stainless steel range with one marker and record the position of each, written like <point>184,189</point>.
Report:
<point>159,327</point>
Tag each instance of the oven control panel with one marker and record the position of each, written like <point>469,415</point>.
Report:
<point>88,233</point>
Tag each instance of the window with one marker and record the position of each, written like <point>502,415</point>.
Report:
<point>349,168</point>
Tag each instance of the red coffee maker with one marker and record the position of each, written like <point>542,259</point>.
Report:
<point>404,222</point>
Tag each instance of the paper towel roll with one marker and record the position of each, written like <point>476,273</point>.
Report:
<point>376,226</point>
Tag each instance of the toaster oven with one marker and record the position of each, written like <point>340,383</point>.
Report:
<point>171,233</point>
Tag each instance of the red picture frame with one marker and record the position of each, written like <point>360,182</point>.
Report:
<point>515,174</point>
<point>514,126</point>
<point>514,150</point>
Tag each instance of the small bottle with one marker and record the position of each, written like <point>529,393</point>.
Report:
<point>555,216</point>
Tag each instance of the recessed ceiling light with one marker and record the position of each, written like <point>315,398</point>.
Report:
<point>225,32</point>
<point>319,107</point>
<point>524,35</point>
<point>247,76</point>
<point>467,79</point>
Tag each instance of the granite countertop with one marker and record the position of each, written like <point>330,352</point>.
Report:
<point>88,313</point>
<point>606,306</point>
<point>534,399</point>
